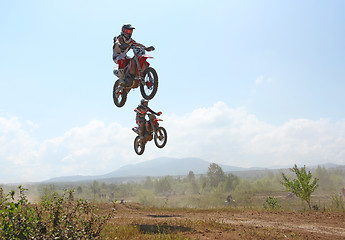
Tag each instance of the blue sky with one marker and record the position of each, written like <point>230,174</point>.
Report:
<point>244,83</point>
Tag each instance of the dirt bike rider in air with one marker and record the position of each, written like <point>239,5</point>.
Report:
<point>141,111</point>
<point>122,44</point>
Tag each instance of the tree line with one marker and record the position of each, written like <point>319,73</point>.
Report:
<point>211,189</point>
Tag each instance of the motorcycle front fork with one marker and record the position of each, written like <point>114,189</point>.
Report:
<point>140,71</point>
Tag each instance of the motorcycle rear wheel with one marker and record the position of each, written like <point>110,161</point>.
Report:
<point>120,97</point>
<point>160,137</point>
<point>139,146</point>
<point>149,89</point>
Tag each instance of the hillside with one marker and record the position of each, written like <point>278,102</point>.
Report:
<point>169,166</point>
<point>156,167</point>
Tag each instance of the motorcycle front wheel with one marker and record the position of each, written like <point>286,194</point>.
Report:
<point>149,88</point>
<point>161,137</point>
<point>119,96</point>
<point>139,146</point>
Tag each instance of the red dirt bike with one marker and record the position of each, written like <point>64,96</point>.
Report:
<point>152,131</point>
<point>147,79</point>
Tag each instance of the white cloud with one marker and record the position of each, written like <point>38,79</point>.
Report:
<point>89,150</point>
<point>234,137</point>
<point>259,80</point>
<point>262,79</point>
<point>92,149</point>
<point>218,133</point>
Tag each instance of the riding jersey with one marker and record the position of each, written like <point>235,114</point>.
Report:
<point>117,51</point>
<point>141,112</point>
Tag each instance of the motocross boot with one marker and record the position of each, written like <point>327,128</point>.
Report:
<point>121,76</point>
<point>141,131</point>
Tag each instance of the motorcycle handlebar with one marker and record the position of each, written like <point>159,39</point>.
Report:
<point>151,48</point>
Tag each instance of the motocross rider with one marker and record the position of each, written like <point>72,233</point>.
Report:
<point>122,44</point>
<point>141,111</point>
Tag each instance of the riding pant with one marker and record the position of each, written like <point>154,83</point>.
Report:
<point>122,60</point>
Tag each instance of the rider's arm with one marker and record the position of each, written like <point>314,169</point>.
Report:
<point>140,110</point>
<point>151,111</point>
<point>135,44</point>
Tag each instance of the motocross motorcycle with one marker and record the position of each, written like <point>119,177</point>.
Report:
<point>147,79</point>
<point>152,131</point>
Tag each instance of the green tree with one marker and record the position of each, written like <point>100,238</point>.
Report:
<point>79,190</point>
<point>215,174</point>
<point>47,190</point>
<point>324,176</point>
<point>163,185</point>
<point>303,186</point>
<point>193,187</point>
<point>244,193</point>
<point>231,182</point>
<point>95,189</point>
<point>191,176</point>
<point>148,184</point>
<point>1,193</point>
<point>203,182</point>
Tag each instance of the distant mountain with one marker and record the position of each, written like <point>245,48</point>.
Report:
<point>327,166</point>
<point>166,166</point>
<point>157,167</point>
<point>76,178</point>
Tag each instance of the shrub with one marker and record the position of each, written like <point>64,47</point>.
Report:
<point>337,202</point>
<point>56,217</point>
<point>301,187</point>
<point>271,203</point>
<point>146,197</point>
<point>18,220</point>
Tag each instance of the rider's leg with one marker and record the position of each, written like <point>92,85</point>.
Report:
<point>147,126</point>
<point>151,117</point>
<point>132,68</point>
<point>122,63</point>
<point>141,129</point>
<point>121,75</point>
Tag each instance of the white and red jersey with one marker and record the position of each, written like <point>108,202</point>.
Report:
<point>117,51</point>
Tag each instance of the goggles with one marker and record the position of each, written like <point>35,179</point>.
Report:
<point>128,31</point>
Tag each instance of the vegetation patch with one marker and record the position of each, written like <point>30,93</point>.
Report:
<point>55,217</point>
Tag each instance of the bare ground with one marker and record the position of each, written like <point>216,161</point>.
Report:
<point>230,223</point>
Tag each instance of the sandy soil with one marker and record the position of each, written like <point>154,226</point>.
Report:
<point>232,223</point>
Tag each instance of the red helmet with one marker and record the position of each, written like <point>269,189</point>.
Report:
<point>127,30</point>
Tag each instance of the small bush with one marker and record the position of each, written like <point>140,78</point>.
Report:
<point>316,207</point>
<point>55,217</point>
<point>337,202</point>
<point>271,203</point>
<point>1,194</point>
<point>146,197</point>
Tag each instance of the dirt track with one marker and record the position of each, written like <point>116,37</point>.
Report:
<point>233,223</point>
